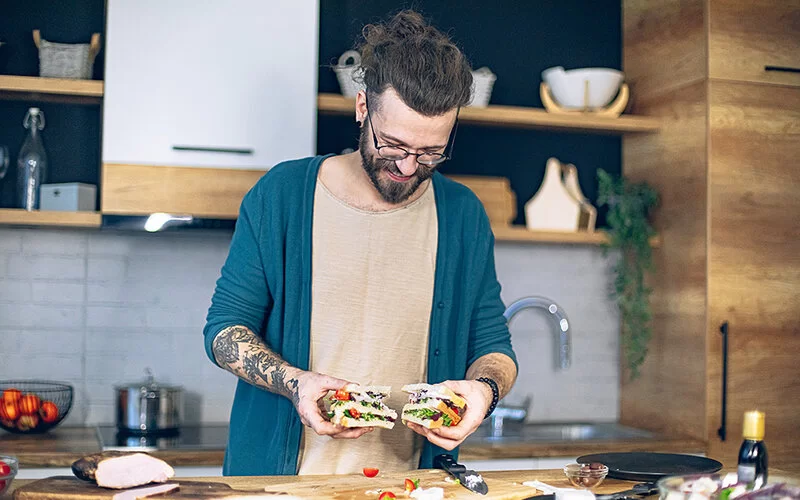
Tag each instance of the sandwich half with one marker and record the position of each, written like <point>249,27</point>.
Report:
<point>433,406</point>
<point>362,406</point>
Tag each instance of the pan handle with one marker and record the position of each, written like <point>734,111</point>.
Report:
<point>722,432</point>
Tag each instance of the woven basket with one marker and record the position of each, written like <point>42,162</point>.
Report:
<point>66,60</point>
<point>482,83</point>
<point>349,73</point>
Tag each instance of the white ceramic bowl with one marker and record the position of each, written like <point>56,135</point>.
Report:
<point>567,87</point>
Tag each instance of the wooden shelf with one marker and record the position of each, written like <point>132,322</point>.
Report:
<point>519,117</point>
<point>521,234</point>
<point>19,217</point>
<point>51,89</point>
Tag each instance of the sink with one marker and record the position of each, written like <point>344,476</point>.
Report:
<point>516,432</point>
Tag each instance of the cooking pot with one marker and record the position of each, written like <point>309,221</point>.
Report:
<point>148,407</point>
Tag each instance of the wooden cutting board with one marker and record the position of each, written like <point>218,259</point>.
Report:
<point>335,487</point>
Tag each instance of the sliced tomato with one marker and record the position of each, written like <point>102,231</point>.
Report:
<point>5,470</point>
<point>411,485</point>
<point>342,395</point>
<point>387,494</point>
<point>370,471</point>
<point>354,413</point>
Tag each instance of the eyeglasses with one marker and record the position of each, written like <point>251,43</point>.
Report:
<point>396,153</point>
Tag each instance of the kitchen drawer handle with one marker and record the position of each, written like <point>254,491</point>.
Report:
<point>723,431</point>
<point>782,68</point>
<point>203,149</point>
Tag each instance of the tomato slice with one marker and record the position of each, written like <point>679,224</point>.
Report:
<point>342,395</point>
<point>411,485</point>
<point>370,471</point>
<point>5,470</point>
<point>387,494</point>
<point>354,413</point>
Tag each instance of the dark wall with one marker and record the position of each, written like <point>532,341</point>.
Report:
<point>516,40</point>
<point>72,132</point>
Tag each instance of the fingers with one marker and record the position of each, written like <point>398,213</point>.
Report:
<point>460,387</point>
<point>442,442</point>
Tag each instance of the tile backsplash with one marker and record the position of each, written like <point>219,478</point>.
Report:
<point>95,308</point>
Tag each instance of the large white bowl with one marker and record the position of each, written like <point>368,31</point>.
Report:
<point>567,87</point>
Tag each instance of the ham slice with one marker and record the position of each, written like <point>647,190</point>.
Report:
<point>118,470</point>
<point>147,491</point>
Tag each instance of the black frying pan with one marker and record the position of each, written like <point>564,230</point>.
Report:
<point>645,466</point>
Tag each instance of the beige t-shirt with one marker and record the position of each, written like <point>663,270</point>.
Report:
<point>371,295</point>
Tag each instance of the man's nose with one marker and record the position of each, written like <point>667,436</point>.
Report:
<point>408,165</point>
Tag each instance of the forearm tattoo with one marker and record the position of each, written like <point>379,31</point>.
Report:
<point>497,367</point>
<point>243,353</point>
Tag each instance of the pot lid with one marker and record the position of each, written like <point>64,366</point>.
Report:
<point>148,384</point>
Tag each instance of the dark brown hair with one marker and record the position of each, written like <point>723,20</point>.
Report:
<point>425,68</point>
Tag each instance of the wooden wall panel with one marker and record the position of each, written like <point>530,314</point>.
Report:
<point>747,35</point>
<point>670,394</point>
<point>202,192</point>
<point>664,45</point>
<point>754,261</point>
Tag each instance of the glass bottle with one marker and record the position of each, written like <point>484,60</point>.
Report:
<point>753,453</point>
<point>31,162</point>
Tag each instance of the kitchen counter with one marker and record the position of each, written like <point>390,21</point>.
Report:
<point>62,446</point>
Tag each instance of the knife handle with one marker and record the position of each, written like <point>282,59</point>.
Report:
<point>446,462</point>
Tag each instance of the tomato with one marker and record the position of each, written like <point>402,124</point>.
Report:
<point>387,494</point>
<point>9,410</point>
<point>370,471</point>
<point>4,469</point>
<point>342,395</point>
<point>411,485</point>
<point>354,413</point>
<point>27,422</point>
<point>12,395</point>
<point>49,412</point>
<point>29,404</point>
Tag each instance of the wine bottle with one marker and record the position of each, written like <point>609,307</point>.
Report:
<point>753,452</point>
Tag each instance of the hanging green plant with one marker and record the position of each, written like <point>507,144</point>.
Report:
<point>629,205</point>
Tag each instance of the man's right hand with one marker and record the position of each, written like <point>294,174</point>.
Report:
<point>307,399</point>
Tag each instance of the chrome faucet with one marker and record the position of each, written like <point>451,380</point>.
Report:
<point>557,314</point>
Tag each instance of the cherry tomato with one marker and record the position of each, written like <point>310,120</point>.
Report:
<point>342,395</point>
<point>3,484</point>
<point>370,471</point>
<point>29,404</point>
<point>387,494</point>
<point>4,469</point>
<point>12,395</point>
<point>411,485</point>
<point>9,411</point>
<point>354,413</point>
<point>49,412</point>
<point>27,422</point>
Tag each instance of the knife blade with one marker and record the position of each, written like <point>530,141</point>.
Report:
<point>469,479</point>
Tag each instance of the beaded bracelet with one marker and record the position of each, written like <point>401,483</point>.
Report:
<point>495,393</point>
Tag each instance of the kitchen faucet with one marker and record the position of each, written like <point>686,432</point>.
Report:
<point>519,414</point>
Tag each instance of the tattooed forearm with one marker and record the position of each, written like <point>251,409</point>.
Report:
<point>497,367</point>
<point>243,353</point>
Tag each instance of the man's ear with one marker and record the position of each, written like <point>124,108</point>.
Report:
<point>361,107</point>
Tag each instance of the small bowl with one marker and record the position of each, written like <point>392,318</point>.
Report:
<point>586,476</point>
<point>568,88</point>
<point>5,481</point>
<point>33,406</point>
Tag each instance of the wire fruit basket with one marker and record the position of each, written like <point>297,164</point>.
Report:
<point>33,406</point>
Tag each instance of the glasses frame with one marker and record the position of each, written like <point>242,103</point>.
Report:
<point>451,141</point>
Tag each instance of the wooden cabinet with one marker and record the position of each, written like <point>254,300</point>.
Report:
<point>755,40</point>
<point>725,164</point>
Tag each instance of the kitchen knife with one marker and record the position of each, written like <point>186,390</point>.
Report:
<point>469,479</point>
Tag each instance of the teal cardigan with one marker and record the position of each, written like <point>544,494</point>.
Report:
<point>265,285</point>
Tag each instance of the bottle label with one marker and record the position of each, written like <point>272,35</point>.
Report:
<point>746,473</point>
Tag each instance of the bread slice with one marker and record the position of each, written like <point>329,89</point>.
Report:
<point>438,391</point>
<point>424,422</point>
<point>383,390</point>
<point>346,421</point>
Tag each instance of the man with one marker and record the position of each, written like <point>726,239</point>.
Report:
<point>369,267</point>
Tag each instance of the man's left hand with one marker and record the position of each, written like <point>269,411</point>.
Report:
<point>478,397</point>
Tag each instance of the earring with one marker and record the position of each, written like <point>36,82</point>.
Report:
<point>358,122</point>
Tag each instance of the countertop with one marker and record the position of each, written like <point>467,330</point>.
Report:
<point>62,446</point>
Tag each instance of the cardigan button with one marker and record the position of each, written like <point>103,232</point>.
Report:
<point>440,305</point>
<point>436,352</point>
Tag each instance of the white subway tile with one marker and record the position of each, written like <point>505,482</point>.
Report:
<point>53,267</point>
<point>54,242</point>
<point>111,243</point>
<point>14,290</point>
<point>11,240</point>
<point>56,316</point>
<point>58,293</point>
<point>44,366</point>
<point>44,342</point>
<point>107,268</point>
<point>101,413</point>
<point>16,315</point>
<point>114,318</point>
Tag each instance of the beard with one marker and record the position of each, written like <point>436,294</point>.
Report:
<point>391,191</point>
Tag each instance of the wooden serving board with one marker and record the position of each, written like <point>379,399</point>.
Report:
<point>334,487</point>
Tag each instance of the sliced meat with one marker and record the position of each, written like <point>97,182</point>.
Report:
<point>132,470</point>
<point>147,491</point>
<point>86,467</point>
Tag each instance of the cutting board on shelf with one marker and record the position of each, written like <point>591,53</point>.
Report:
<point>342,487</point>
<point>495,194</point>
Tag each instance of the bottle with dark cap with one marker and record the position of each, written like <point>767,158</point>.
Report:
<point>753,452</point>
